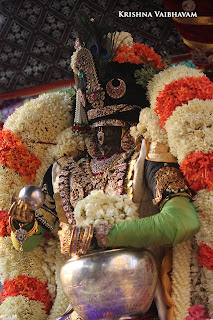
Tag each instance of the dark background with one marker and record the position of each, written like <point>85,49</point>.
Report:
<point>36,37</point>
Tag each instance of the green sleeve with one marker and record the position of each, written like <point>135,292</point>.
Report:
<point>176,222</point>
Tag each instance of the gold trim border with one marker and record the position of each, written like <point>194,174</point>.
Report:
<point>208,21</point>
<point>198,45</point>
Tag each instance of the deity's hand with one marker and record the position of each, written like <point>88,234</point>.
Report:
<point>20,211</point>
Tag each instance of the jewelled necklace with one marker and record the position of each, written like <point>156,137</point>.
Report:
<point>99,176</point>
<point>99,166</point>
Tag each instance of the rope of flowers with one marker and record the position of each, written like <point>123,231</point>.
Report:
<point>182,99</point>
<point>190,134</point>
<point>39,120</point>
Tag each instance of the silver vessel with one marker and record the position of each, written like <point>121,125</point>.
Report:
<point>111,284</point>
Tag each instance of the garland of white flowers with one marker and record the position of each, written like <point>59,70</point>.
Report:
<point>149,127</point>
<point>181,279</point>
<point>16,305</point>
<point>100,208</point>
<point>189,129</point>
<point>61,303</point>
<point>165,77</point>
<point>37,123</point>
<point>194,121</point>
<point>68,144</point>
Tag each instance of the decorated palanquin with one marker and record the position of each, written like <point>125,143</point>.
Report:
<point>177,141</point>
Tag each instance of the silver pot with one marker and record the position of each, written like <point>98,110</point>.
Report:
<point>110,284</point>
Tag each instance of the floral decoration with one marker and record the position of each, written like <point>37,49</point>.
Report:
<point>5,230</point>
<point>205,256</point>
<point>194,120</point>
<point>197,170</point>
<point>100,208</point>
<point>149,127</point>
<point>15,156</point>
<point>38,123</point>
<point>160,80</point>
<point>21,307</point>
<point>31,288</point>
<point>180,92</point>
<point>68,144</point>
<point>197,312</point>
<point>137,54</point>
<point>181,286</point>
<point>182,99</point>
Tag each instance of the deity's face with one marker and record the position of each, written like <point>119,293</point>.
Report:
<point>109,140</point>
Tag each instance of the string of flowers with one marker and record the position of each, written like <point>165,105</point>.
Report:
<point>149,127</point>
<point>177,95</point>
<point>22,307</point>
<point>195,121</point>
<point>68,144</point>
<point>14,155</point>
<point>197,170</point>
<point>38,124</point>
<point>159,81</point>
<point>138,53</point>
<point>4,224</point>
<point>180,92</point>
<point>31,288</point>
<point>60,303</point>
<point>181,279</point>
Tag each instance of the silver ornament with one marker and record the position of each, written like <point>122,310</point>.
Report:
<point>33,196</point>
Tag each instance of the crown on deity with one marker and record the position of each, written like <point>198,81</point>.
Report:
<point>105,65</point>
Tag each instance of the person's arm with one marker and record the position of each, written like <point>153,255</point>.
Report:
<point>176,222</point>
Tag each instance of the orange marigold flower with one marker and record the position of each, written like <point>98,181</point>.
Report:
<point>5,230</point>
<point>205,256</point>
<point>181,92</point>
<point>197,169</point>
<point>137,54</point>
<point>14,155</point>
<point>31,288</point>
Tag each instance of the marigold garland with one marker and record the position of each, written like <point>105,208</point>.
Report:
<point>181,92</point>
<point>15,156</point>
<point>197,170</point>
<point>4,224</point>
<point>137,54</point>
<point>160,80</point>
<point>205,256</point>
<point>31,288</point>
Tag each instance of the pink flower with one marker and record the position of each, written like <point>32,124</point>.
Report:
<point>197,312</point>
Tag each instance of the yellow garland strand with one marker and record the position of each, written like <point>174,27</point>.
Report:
<point>61,303</point>
<point>181,292</point>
